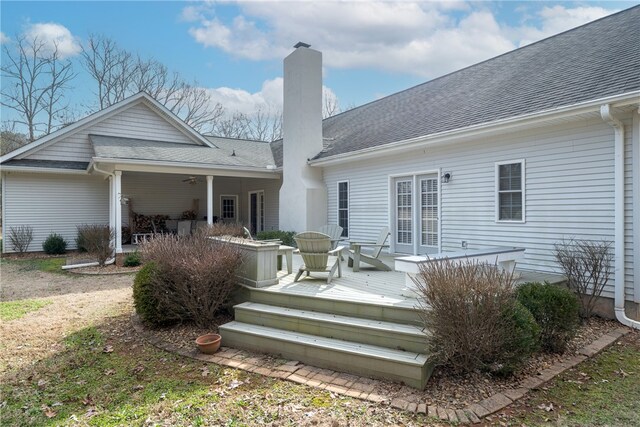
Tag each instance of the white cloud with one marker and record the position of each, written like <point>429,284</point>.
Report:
<point>4,38</point>
<point>52,35</point>
<point>421,38</point>
<point>557,19</point>
<point>268,98</point>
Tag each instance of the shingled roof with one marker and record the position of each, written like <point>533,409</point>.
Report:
<point>593,61</point>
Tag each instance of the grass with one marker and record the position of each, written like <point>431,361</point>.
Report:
<point>11,310</point>
<point>604,391</point>
<point>49,265</point>
<point>104,377</point>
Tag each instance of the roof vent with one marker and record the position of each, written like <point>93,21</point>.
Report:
<point>234,153</point>
<point>301,44</point>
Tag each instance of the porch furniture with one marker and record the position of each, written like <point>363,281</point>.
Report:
<point>315,249</point>
<point>184,228</point>
<point>138,238</point>
<point>171,225</point>
<point>356,255</point>
<point>334,231</point>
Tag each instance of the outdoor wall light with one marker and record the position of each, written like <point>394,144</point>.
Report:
<point>446,177</point>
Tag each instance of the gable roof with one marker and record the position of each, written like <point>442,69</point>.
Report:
<point>594,61</point>
<point>239,154</point>
<point>105,113</point>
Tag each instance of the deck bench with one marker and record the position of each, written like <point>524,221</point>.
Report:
<point>504,257</point>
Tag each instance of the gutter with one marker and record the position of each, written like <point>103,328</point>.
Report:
<point>618,163</point>
<point>42,170</point>
<point>476,130</point>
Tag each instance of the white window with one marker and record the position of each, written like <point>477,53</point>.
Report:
<point>404,212</point>
<point>510,194</point>
<point>429,214</point>
<point>228,205</point>
<point>343,207</point>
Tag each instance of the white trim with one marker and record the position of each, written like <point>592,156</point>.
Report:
<point>118,208</point>
<point>348,205</point>
<point>635,184</point>
<point>523,187</point>
<point>43,170</point>
<point>105,113</point>
<point>474,131</point>
<point>209,199</point>
<point>186,168</point>
<point>260,222</point>
<point>236,207</point>
<point>4,212</point>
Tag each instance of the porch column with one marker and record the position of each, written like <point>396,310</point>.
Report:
<point>118,205</point>
<point>112,207</point>
<point>209,199</point>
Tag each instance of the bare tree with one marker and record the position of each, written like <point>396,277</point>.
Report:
<point>265,124</point>
<point>10,139</point>
<point>330,106</point>
<point>111,67</point>
<point>38,78</point>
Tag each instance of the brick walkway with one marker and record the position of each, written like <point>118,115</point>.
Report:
<point>365,388</point>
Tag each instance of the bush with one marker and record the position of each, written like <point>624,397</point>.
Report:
<point>81,244</point>
<point>522,339</point>
<point>587,266</point>
<point>145,302</point>
<point>54,244</point>
<point>222,229</point>
<point>132,260</point>
<point>96,239</point>
<point>556,311</point>
<point>286,237</point>
<point>470,310</point>
<point>194,275</point>
<point>20,238</point>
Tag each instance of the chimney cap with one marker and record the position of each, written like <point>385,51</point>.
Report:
<point>301,44</point>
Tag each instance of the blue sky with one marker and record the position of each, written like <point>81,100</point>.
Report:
<point>235,49</point>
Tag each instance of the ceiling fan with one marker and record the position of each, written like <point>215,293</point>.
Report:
<point>193,180</point>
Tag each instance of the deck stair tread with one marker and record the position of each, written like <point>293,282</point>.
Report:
<point>347,347</point>
<point>335,319</point>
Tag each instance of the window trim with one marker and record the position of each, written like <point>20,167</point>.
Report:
<point>522,190</point>
<point>236,206</point>
<point>348,205</point>
<point>260,214</point>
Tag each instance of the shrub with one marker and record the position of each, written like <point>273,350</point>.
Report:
<point>222,229</point>
<point>132,260</point>
<point>286,237</point>
<point>145,302</point>
<point>20,238</point>
<point>521,339</point>
<point>194,275</point>
<point>54,244</point>
<point>587,266</point>
<point>97,238</point>
<point>471,312</point>
<point>81,244</point>
<point>556,311</point>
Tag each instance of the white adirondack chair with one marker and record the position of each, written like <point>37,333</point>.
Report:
<point>315,249</point>
<point>334,231</point>
<point>356,255</point>
<point>184,228</point>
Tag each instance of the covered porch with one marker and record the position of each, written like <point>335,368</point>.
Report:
<point>164,182</point>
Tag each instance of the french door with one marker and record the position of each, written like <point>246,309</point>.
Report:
<point>256,211</point>
<point>416,215</point>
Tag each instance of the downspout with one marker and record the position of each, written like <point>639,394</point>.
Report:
<point>618,204</point>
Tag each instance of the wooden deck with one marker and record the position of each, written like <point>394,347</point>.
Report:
<point>369,285</point>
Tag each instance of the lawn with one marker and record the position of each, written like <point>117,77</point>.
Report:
<point>49,265</point>
<point>11,310</point>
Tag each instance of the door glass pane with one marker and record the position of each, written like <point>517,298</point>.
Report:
<point>253,200</point>
<point>429,212</point>
<point>404,220</point>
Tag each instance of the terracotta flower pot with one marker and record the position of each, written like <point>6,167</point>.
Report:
<point>209,343</point>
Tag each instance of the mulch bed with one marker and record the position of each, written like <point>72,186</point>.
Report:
<point>445,388</point>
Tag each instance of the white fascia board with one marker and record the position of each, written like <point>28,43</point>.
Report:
<point>186,168</point>
<point>457,135</point>
<point>44,170</point>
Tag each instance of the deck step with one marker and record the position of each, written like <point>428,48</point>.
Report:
<point>365,331</point>
<point>388,312</point>
<point>411,368</point>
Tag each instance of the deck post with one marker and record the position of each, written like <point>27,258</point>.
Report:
<point>112,208</point>
<point>209,199</point>
<point>118,205</point>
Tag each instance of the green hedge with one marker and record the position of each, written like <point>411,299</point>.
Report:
<point>286,237</point>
